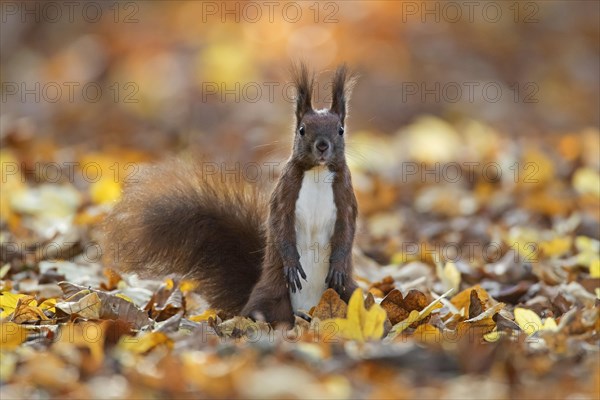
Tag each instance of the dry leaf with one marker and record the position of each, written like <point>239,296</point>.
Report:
<point>462,301</point>
<point>531,323</point>
<point>87,307</point>
<point>398,307</point>
<point>11,335</point>
<point>145,343</point>
<point>8,303</point>
<point>27,311</point>
<point>416,316</point>
<point>449,275</point>
<point>112,306</point>
<point>361,324</point>
<point>210,313</point>
<point>330,306</point>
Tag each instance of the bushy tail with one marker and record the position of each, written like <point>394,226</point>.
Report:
<point>175,220</point>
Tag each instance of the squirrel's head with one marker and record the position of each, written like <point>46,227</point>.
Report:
<point>319,136</point>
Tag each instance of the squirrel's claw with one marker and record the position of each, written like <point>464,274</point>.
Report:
<point>292,275</point>
<point>336,280</point>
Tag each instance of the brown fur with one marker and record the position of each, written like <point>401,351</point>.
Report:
<point>175,220</point>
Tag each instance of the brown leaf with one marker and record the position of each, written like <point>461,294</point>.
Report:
<point>392,304</point>
<point>476,307</point>
<point>25,312</point>
<point>463,299</point>
<point>166,302</point>
<point>86,307</point>
<point>398,308</point>
<point>386,285</point>
<point>113,278</point>
<point>330,306</point>
<point>369,301</point>
<point>112,307</point>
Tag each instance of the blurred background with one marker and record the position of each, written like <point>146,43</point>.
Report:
<point>514,84</point>
<point>152,74</point>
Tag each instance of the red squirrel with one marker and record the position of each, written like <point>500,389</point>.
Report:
<point>251,258</point>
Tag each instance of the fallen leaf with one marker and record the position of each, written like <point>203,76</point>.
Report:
<point>398,307</point>
<point>145,343</point>
<point>27,311</point>
<point>476,306</point>
<point>11,335</point>
<point>557,246</point>
<point>87,307</point>
<point>462,301</point>
<point>531,323</point>
<point>416,316</point>
<point>361,324</point>
<point>427,333</point>
<point>8,303</point>
<point>87,336</point>
<point>112,306</point>
<point>595,269</point>
<point>210,313</point>
<point>449,275</point>
<point>587,181</point>
<point>105,191</point>
<point>330,306</point>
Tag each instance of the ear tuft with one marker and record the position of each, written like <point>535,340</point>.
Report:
<point>342,85</point>
<point>304,83</point>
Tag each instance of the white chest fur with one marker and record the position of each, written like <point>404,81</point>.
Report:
<point>315,220</point>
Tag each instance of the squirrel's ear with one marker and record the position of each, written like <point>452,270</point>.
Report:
<point>304,89</point>
<point>341,88</point>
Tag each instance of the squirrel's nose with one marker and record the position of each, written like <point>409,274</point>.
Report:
<point>322,146</point>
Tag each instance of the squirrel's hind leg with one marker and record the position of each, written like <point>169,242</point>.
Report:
<point>272,305</point>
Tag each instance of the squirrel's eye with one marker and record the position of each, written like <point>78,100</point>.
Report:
<point>341,130</point>
<point>301,130</point>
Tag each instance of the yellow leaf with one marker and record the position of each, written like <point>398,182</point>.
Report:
<point>493,336</point>
<point>427,333</point>
<point>105,190</point>
<point>145,343</point>
<point>587,181</point>
<point>589,250</point>
<point>124,297</point>
<point>524,241</point>
<point>210,313</point>
<point>11,335</point>
<point>595,269</point>
<point>557,246</point>
<point>169,284</point>
<point>549,324</point>
<point>449,275</point>
<point>188,285</point>
<point>27,311</point>
<point>48,305</point>
<point>4,270</point>
<point>530,322</point>
<point>361,324</point>
<point>85,335</point>
<point>8,303</point>
<point>402,325</point>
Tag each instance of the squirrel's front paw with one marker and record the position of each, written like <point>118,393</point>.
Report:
<point>337,279</point>
<point>292,272</point>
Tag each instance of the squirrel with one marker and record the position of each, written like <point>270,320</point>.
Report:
<point>263,260</point>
